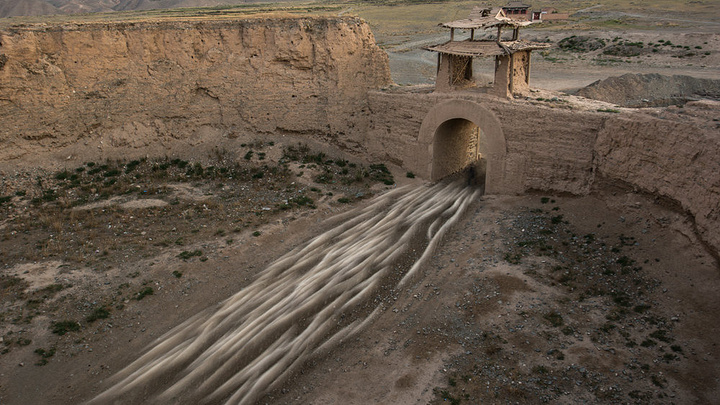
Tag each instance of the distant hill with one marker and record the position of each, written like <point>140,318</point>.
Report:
<point>11,8</point>
<point>129,5</point>
<point>84,6</point>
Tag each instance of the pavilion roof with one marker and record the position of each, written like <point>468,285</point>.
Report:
<point>490,20</point>
<point>485,48</point>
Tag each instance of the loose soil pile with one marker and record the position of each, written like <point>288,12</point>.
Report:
<point>651,90</point>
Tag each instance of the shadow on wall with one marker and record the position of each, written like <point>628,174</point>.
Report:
<point>460,134</point>
<point>456,146</point>
<point>476,174</point>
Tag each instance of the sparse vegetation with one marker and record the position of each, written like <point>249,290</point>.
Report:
<point>144,293</point>
<point>186,254</point>
<point>66,199</point>
<point>44,355</point>
<point>581,43</point>
<point>583,263</point>
<point>63,327</point>
<point>98,313</point>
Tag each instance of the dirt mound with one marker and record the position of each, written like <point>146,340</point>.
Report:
<point>651,90</point>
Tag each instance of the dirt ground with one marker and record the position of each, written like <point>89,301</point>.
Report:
<point>609,298</point>
<point>631,46</point>
<point>604,299</point>
<point>86,249</point>
<point>613,303</point>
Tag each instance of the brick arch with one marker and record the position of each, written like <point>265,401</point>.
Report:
<point>453,113</point>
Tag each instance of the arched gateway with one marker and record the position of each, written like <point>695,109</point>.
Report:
<point>458,133</point>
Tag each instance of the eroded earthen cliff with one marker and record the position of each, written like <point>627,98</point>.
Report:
<point>674,157</point>
<point>128,85</point>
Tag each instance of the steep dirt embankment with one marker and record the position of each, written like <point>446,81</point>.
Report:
<point>674,157</point>
<point>125,86</point>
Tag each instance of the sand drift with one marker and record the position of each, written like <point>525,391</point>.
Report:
<point>300,306</point>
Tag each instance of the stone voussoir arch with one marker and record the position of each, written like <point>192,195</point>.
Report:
<point>494,145</point>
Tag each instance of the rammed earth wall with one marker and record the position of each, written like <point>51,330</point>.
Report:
<point>128,84</point>
<point>131,87</point>
<point>565,150</point>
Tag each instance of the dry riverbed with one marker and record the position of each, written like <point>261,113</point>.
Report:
<point>100,257</point>
<point>608,298</point>
<point>542,299</point>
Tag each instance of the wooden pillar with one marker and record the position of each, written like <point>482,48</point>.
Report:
<point>472,34</point>
<point>499,33</point>
<point>452,34</point>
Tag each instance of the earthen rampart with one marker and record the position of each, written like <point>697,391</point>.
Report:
<point>130,84</point>
<point>128,88</point>
<point>546,149</point>
<point>567,150</point>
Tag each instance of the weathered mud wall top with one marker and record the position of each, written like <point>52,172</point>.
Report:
<point>121,84</point>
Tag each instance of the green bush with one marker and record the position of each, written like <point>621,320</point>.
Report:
<point>63,327</point>
<point>144,292</point>
<point>98,313</point>
<point>581,44</point>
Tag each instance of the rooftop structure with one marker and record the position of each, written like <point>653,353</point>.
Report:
<point>517,10</point>
<point>548,14</point>
<point>512,55</point>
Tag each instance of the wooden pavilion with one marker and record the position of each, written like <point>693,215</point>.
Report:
<point>512,55</point>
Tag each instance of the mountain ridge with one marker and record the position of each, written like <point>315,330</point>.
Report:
<point>17,8</point>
